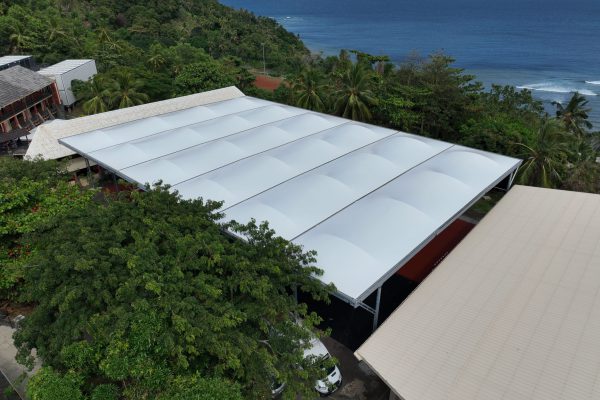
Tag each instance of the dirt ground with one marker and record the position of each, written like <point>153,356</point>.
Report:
<point>267,82</point>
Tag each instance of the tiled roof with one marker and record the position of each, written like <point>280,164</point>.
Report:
<point>45,142</point>
<point>17,82</point>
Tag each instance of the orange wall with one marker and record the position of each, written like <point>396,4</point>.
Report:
<point>425,261</point>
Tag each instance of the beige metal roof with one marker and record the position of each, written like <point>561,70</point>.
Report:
<point>512,313</point>
<point>45,142</point>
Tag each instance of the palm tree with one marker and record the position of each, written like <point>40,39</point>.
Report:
<point>575,114</point>
<point>126,91</point>
<point>308,90</point>
<point>157,59</point>
<point>19,40</point>
<point>55,29</point>
<point>105,39</point>
<point>96,95</point>
<point>547,155</point>
<point>354,98</point>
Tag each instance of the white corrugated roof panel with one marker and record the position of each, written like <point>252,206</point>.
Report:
<point>364,197</point>
<point>512,313</point>
<point>63,67</point>
<point>10,59</point>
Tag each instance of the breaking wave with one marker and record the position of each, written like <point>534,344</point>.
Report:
<point>593,82</point>
<point>556,88</point>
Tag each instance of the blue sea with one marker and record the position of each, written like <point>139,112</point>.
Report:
<point>551,47</point>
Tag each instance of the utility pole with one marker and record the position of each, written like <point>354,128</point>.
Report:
<point>264,62</point>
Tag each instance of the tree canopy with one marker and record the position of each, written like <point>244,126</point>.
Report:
<point>146,291</point>
<point>33,196</point>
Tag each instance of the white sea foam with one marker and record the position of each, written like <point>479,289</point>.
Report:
<point>593,82</point>
<point>554,88</point>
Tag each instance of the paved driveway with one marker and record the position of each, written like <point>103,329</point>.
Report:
<point>359,383</point>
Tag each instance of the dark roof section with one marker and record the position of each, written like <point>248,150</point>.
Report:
<point>14,134</point>
<point>17,82</point>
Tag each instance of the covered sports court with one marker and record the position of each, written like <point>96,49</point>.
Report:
<point>364,197</point>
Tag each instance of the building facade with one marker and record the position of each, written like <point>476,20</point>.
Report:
<point>27,99</point>
<point>66,72</point>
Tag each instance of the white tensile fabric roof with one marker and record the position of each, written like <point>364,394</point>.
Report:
<point>512,313</point>
<point>364,197</point>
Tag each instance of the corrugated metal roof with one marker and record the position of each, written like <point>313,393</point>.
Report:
<point>63,67</point>
<point>4,60</point>
<point>45,142</point>
<point>17,82</point>
<point>365,197</point>
<point>513,312</point>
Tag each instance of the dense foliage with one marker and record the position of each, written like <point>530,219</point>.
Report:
<point>152,42</point>
<point>145,292</point>
<point>33,195</point>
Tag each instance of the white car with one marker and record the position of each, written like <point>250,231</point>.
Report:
<point>324,386</point>
<point>333,380</point>
<point>277,388</point>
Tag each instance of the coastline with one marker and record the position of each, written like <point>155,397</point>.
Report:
<point>546,85</point>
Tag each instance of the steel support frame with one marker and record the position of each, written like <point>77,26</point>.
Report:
<point>368,308</point>
<point>512,177</point>
<point>89,170</point>
<point>116,182</point>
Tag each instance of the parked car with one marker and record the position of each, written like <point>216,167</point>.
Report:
<point>277,388</point>
<point>333,378</point>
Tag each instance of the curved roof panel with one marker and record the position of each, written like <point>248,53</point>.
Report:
<point>365,198</point>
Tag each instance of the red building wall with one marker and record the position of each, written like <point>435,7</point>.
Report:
<point>431,255</point>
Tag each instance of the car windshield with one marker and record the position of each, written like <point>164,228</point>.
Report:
<point>326,365</point>
<point>276,385</point>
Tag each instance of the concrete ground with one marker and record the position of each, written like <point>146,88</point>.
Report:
<point>6,390</point>
<point>9,368</point>
<point>358,381</point>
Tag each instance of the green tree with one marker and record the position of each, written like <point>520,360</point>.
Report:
<point>126,91</point>
<point>309,90</point>
<point>157,59</point>
<point>575,114</point>
<point>32,195</point>
<point>200,77</point>
<point>451,95</point>
<point>545,158</point>
<point>19,39</point>
<point>354,97</point>
<point>49,385</point>
<point>145,289</point>
<point>197,388</point>
<point>95,94</point>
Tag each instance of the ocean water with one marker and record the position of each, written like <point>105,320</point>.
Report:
<point>551,47</point>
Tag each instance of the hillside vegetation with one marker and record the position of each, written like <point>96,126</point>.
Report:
<point>153,41</point>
